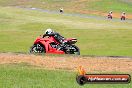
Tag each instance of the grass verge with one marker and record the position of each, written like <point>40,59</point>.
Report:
<point>26,76</point>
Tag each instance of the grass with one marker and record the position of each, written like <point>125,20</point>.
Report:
<point>108,5</point>
<point>19,28</point>
<point>75,6</point>
<point>26,76</point>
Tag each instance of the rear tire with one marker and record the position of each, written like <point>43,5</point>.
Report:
<point>37,48</point>
<point>76,50</point>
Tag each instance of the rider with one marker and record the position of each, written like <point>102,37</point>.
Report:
<point>110,15</point>
<point>61,10</point>
<point>123,16</point>
<point>57,36</point>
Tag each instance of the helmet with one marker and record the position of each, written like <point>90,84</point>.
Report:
<point>123,12</point>
<point>48,31</point>
<point>110,12</point>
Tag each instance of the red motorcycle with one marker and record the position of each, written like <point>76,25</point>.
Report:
<point>123,17</point>
<point>50,45</point>
<point>109,16</point>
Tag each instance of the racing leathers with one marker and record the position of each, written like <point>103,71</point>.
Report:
<point>57,37</point>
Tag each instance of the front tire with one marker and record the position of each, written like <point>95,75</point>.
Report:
<point>37,48</point>
<point>77,52</point>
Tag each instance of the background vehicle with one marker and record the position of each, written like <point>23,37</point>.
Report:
<point>109,16</point>
<point>123,18</point>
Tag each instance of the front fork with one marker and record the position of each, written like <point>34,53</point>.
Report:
<point>38,47</point>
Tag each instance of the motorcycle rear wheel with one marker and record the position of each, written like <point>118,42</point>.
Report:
<point>76,52</point>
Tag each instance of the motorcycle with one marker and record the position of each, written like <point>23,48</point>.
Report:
<point>109,16</point>
<point>123,18</point>
<point>50,45</point>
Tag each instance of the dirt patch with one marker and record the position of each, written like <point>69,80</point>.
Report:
<point>91,64</point>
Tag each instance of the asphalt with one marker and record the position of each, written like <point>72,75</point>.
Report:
<point>87,16</point>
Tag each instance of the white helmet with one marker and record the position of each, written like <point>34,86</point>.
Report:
<point>123,12</point>
<point>110,12</point>
<point>48,31</point>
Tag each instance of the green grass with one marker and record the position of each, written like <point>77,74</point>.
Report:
<point>75,6</point>
<point>19,28</point>
<point>26,76</point>
<point>111,5</point>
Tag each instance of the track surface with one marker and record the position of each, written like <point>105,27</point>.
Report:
<point>90,64</point>
<point>78,15</point>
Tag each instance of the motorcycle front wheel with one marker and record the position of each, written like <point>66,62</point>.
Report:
<point>37,48</point>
